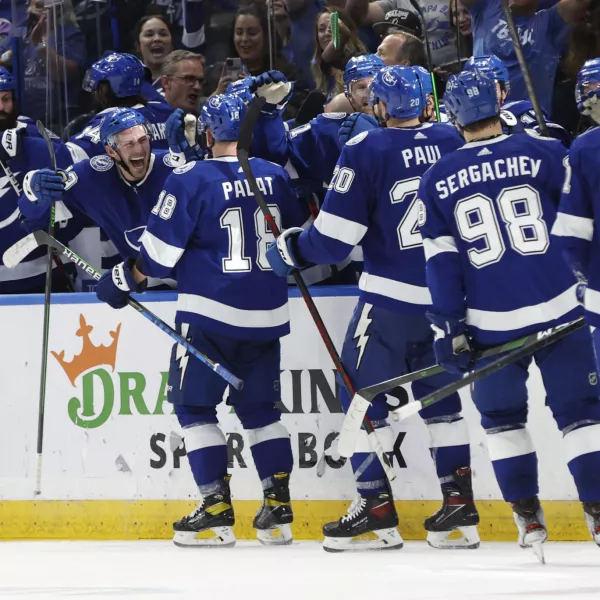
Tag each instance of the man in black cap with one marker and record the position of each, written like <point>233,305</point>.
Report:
<point>397,20</point>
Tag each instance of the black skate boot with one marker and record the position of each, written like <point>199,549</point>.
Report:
<point>370,524</point>
<point>272,522</point>
<point>458,512</point>
<point>210,525</point>
<point>592,518</point>
<point>529,518</point>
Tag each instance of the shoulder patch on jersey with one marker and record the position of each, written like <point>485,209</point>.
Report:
<point>357,139</point>
<point>509,119</point>
<point>185,168</point>
<point>534,134</point>
<point>421,213</point>
<point>168,160</point>
<point>334,115</point>
<point>101,163</point>
<point>298,130</point>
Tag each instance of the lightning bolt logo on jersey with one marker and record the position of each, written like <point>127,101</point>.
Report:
<point>360,333</point>
<point>181,354</point>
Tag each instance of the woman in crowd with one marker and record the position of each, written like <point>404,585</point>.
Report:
<point>153,42</point>
<point>328,78</point>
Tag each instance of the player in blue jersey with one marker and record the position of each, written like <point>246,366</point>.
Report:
<point>518,116</point>
<point>372,201</point>
<point>116,80</point>
<point>207,226</point>
<point>116,190</point>
<point>576,226</point>
<point>495,275</point>
<point>21,149</point>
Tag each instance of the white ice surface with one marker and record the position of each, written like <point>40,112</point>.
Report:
<point>153,570</point>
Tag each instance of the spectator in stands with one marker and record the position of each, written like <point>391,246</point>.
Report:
<point>462,27</point>
<point>399,20</point>
<point>54,58</point>
<point>543,36</point>
<point>402,49</point>
<point>329,79</point>
<point>584,42</point>
<point>153,42</point>
<point>183,80</point>
<point>441,36</point>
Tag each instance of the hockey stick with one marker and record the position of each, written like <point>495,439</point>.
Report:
<point>46,333</point>
<point>243,150</point>
<point>17,252</point>
<point>542,339</point>
<point>363,398</point>
<point>310,109</point>
<point>514,34</point>
<point>419,10</point>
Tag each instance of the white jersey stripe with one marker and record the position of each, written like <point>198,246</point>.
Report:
<point>404,292</point>
<point>572,226</point>
<point>432,247</point>
<point>230,315</point>
<point>509,444</point>
<point>160,252</point>
<point>338,228</point>
<point>491,320</point>
<point>584,440</point>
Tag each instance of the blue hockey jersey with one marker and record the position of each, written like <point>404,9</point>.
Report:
<point>30,273</point>
<point>579,212</point>
<point>486,218</point>
<point>312,149</point>
<point>87,144</point>
<point>96,189</point>
<point>208,228</point>
<point>372,200</point>
<point>519,116</point>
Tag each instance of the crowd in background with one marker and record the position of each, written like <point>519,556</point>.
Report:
<point>565,33</point>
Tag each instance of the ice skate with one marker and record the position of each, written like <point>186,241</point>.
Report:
<point>592,518</point>
<point>457,514</point>
<point>272,522</point>
<point>370,524</point>
<point>529,517</point>
<point>210,524</point>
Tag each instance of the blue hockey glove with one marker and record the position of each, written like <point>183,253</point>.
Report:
<point>40,189</point>
<point>274,87</point>
<point>281,253</point>
<point>10,144</point>
<point>115,285</point>
<point>354,124</point>
<point>450,344</point>
<point>180,148</point>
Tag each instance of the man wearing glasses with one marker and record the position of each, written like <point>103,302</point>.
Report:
<point>183,80</point>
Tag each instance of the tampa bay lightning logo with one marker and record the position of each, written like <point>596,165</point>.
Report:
<point>389,78</point>
<point>215,102</point>
<point>132,236</point>
<point>101,163</point>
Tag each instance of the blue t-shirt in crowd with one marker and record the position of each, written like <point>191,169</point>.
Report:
<point>542,37</point>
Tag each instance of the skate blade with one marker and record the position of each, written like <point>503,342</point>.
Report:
<point>281,535</point>
<point>447,540</point>
<point>218,537</point>
<point>538,550</point>
<point>380,539</point>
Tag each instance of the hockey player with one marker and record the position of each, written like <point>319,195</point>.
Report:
<point>372,201</point>
<point>231,306</point>
<point>116,80</point>
<point>518,116</point>
<point>495,275</point>
<point>21,149</point>
<point>116,190</point>
<point>576,226</point>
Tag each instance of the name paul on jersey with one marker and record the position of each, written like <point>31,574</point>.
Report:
<point>241,188</point>
<point>423,155</point>
<point>488,171</point>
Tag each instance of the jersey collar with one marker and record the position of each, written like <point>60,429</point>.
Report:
<point>495,140</point>
<point>225,158</point>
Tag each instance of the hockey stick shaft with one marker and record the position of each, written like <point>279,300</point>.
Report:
<point>45,334</point>
<point>244,144</point>
<point>514,34</point>
<point>543,339</point>
<point>363,397</point>
<point>42,239</point>
<point>436,101</point>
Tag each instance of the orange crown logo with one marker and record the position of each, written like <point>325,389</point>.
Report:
<point>91,355</point>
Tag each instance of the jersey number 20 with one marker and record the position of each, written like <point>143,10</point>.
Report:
<point>235,261</point>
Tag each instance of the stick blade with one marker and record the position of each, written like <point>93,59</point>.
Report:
<point>19,251</point>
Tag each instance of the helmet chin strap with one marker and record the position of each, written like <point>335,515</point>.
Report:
<point>121,164</point>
